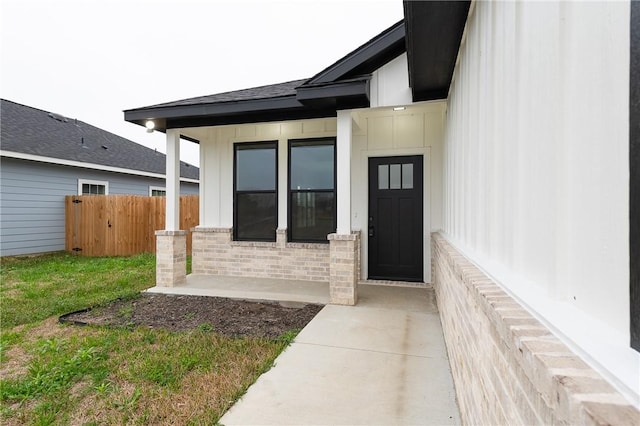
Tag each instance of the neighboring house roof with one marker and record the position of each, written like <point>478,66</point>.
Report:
<point>430,34</point>
<point>37,133</point>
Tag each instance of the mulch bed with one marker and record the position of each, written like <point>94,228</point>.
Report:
<point>182,313</point>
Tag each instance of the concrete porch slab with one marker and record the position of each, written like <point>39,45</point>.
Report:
<point>250,288</point>
<point>382,361</point>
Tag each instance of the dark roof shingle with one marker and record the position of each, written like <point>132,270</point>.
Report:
<point>261,92</point>
<point>33,131</point>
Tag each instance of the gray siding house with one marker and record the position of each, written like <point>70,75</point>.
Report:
<point>45,156</point>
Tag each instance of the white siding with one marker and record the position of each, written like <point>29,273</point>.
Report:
<point>32,201</point>
<point>216,162</point>
<point>383,132</point>
<point>376,132</point>
<point>390,84</point>
<point>536,166</point>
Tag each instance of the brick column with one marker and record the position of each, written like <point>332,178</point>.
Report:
<point>344,268</point>
<point>281,238</point>
<point>171,258</point>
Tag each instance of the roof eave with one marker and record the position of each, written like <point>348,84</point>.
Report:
<point>163,116</point>
<point>351,92</point>
<point>313,101</point>
<point>375,53</point>
<point>433,34</point>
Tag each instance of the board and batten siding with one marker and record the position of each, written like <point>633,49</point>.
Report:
<point>376,132</point>
<point>536,167</point>
<point>383,132</point>
<point>32,201</point>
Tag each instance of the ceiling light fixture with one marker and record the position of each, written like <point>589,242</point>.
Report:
<point>150,125</point>
<point>398,108</point>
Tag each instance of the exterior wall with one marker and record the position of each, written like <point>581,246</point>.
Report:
<point>381,132</point>
<point>32,201</point>
<point>214,253</point>
<point>417,130</point>
<point>216,162</point>
<point>390,84</point>
<point>509,368</point>
<point>536,168</point>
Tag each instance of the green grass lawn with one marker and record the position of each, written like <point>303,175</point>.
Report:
<point>56,374</point>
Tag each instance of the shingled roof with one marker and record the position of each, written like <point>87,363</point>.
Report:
<point>342,85</point>
<point>430,34</point>
<point>262,92</point>
<point>28,130</point>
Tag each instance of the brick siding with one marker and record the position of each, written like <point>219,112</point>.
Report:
<point>508,368</point>
<point>215,253</point>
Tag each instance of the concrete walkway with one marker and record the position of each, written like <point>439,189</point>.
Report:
<point>382,362</point>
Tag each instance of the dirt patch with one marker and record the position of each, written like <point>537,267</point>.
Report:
<point>182,313</point>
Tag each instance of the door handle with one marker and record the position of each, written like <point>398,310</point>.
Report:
<point>371,231</point>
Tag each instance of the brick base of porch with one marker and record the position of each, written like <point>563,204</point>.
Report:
<point>215,253</point>
<point>344,268</point>
<point>171,258</point>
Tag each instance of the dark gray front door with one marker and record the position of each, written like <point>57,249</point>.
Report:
<point>395,218</point>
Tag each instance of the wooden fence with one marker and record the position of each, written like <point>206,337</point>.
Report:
<point>121,225</point>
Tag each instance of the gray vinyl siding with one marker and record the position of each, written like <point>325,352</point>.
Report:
<point>32,201</point>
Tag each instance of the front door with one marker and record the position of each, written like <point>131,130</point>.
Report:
<point>395,218</point>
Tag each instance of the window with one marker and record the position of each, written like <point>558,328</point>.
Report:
<point>255,213</point>
<point>157,191</point>
<point>92,187</point>
<point>395,176</point>
<point>312,190</point>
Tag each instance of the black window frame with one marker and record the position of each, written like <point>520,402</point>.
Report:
<point>311,142</point>
<point>253,145</point>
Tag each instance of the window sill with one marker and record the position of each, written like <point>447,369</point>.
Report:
<point>301,245</point>
<point>271,244</point>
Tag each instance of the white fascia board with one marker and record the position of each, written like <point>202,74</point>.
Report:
<point>51,160</point>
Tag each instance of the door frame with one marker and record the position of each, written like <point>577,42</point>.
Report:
<point>426,206</point>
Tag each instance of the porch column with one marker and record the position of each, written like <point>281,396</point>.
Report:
<point>344,246</point>
<point>210,164</point>
<point>343,173</point>
<point>210,235</point>
<point>173,181</point>
<point>171,243</point>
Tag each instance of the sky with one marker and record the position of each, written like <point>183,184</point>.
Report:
<point>92,59</point>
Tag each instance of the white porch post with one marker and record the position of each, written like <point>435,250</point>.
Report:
<point>171,243</point>
<point>210,156</point>
<point>344,246</point>
<point>173,181</point>
<point>343,173</point>
<point>212,230</point>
